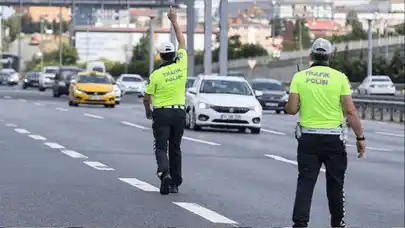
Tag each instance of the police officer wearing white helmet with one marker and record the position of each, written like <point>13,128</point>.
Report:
<point>166,91</point>
<point>322,96</point>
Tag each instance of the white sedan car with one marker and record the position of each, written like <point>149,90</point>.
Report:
<point>223,102</point>
<point>377,84</point>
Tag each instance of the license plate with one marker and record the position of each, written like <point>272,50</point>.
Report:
<point>35,84</point>
<point>231,117</point>
<point>271,104</point>
<point>95,97</point>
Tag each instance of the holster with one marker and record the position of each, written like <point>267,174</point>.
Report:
<point>298,131</point>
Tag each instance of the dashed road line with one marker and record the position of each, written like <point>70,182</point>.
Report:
<point>134,125</point>
<point>21,131</point>
<point>11,125</point>
<point>201,141</point>
<point>273,132</point>
<point>98,166</point>
<point>208,214</point>
<point>7,97</point>
<point>93,116</point>
<point>62,109</point>
<point>371,148</point>
<point>39,104</point>
<point>37,137</point>
<point>73,154</point>
<point>23,100</point>
<point>140,184</point>
<point>54,145</point>
<point>390,134</point>
<point>278,158</point>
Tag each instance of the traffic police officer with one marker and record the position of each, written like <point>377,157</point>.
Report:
<point>167,86</point>
<point>322,96</point>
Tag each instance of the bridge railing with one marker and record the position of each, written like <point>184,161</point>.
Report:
<point>352,45</point>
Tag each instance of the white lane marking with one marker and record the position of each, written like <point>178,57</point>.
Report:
<point>11,125</point>
<point>62,109</point>
<point>54,145</point>
<point>140,184</point>
<point>39,104</point>
<point>23,100</point>
<point>21,131</point>
<point>93,116</point>
<point>134,125</point>
<point>273,132</point>
<point>390,134</point>
<point>201,141</point>
<point>98,165</point>
<point>205,213</point>
<point>37,137</point>
<point>7,97</point>
<point>371,148</point>
<point>73,154</point>
<point>278,158</point>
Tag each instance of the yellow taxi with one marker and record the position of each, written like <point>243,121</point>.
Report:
<point>92,88</point>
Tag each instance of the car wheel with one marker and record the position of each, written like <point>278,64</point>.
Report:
<point>118,102</point>
<point>24,87</point>
<point>193,124</point>
<point>188,116</point>
<point>255,130</point>
<point>112,106</point>
<point>278,111</point>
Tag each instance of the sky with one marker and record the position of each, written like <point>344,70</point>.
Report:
<point>7,11</point>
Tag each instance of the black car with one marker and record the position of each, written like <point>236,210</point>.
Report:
<point>4,78</point>
<point>31,79</point>
<point>275,95</point>
<point>62,80</point>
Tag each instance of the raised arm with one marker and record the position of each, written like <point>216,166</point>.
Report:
<point>172,15</point>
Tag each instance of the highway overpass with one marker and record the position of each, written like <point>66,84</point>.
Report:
<point>285,68</point>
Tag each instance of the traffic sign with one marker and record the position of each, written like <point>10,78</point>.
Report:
<point>252,63</point>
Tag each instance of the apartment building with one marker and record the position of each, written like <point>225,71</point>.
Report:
<point>49,13</point>
<point>87,15</point>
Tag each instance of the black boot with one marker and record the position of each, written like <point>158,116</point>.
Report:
<point>165,181</point>
<point>174,189</point>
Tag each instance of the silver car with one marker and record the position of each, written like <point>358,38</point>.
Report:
<point>131,84</point>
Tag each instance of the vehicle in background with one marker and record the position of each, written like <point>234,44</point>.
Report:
<point>236,74</point>
<point>190,82</point>
<point>62,80</point>
<point>92,88</point>
<point>13,79</point>
<point>131,84</point>
<point>35,39</point>
<point>47,77</point>
<point>96,66</point>
<point>223,102</point>
<point>275,95</point>
<point>10,61</point>
<point>117,91</point>
<point>377,84</point>
<point>31,79</point>
<point>4,78</point>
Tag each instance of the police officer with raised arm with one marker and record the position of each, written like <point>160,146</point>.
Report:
<point>323,98</point>
<point>166,88</point>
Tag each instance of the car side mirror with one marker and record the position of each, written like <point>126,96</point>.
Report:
<point>258,93</point>
<point>192,90</point>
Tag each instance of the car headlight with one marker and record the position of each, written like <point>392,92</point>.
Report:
<point>110,93</point>
<point>78,91</point>
<point>203,105</point>
<point>25,80</point>
<point>61,83</point>
<point>257,108</point>
<point>285,98</point>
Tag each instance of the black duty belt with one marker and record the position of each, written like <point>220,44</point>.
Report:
<point>172,106</point>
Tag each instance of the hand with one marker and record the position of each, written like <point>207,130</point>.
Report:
<point>361,148</point>
<point>148,114</point>
<point>172,15</point>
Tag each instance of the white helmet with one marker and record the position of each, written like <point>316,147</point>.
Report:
<point>166,47</point>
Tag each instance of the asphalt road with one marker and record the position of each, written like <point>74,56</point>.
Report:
<point>92,166</point>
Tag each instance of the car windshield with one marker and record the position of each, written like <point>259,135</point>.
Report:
<point>51,71</point>
<point>190,82</point>
<point>31,75</point>
<point>267,86</point>
<point>100,79</point>
<point>225,86</point>
<point>67,72</point>
<point>131,79</point>
<point>98,69</point>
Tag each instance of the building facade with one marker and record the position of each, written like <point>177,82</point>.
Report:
<point>87,15</point>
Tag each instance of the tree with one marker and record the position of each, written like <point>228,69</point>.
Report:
<point>277,24</point>
<point>396,65</point>
<point>140,57</point>
<point>301,33</point>
<point>13,24</point>
<point>357,32</point>
<point>55,27</point>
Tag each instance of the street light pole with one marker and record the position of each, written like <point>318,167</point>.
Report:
<point>60,37</point>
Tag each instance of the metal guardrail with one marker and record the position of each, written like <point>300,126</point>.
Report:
<point>381,109</point>
<point>378,98</point>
